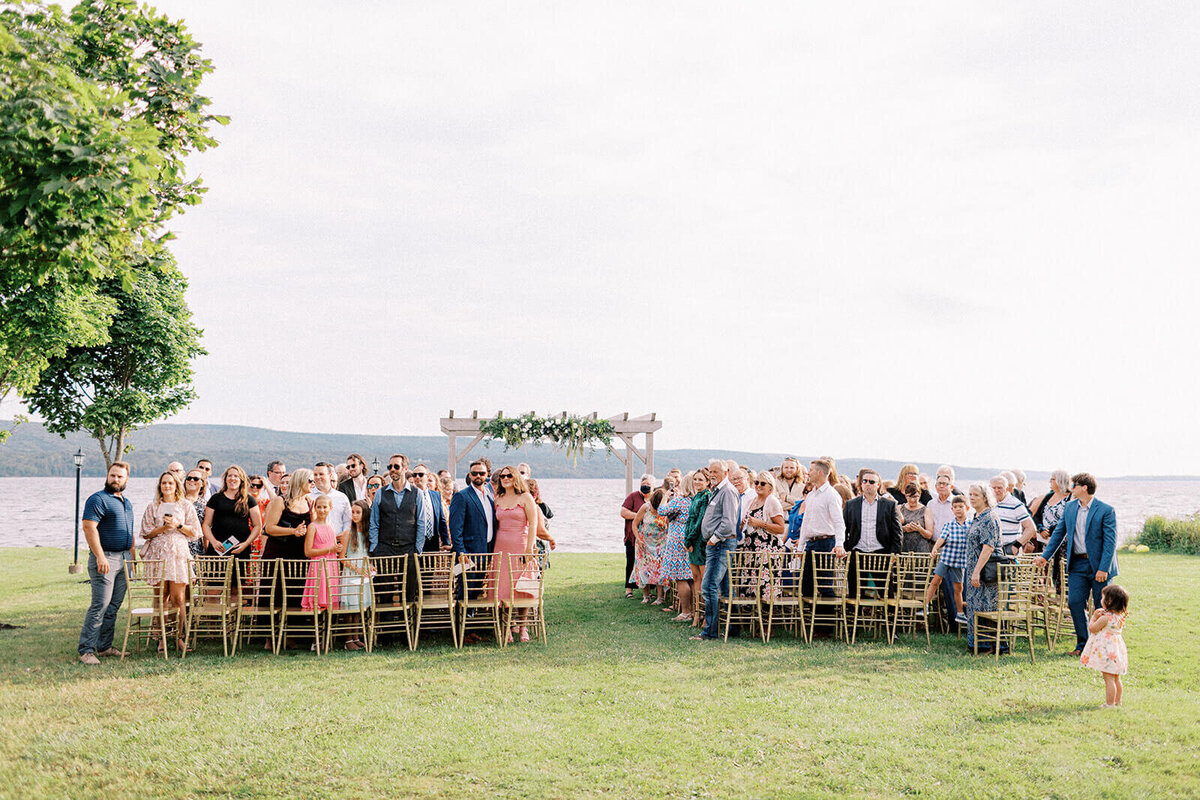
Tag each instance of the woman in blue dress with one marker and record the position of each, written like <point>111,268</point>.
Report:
<point>983,538</point>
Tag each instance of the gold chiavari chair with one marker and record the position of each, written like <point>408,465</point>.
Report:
<point>1013,617</point>
<point>906,606</point>
<point>147,612</point>
<point>348,615</point>
<point>435,596</point>
<point>825,600</point>
<point>527,581</point>
<point>782,598</point>
<point>479,608</point>
<point>255,608</point>
<point>391,608</point>
<point>873,579</point>
<point>211,613</point>
<point>300,600</point>
<point>742,606</point>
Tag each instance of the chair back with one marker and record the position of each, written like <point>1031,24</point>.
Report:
<point>873,572</point>
<point>143,578</point>
<point>475,579</point>
<point>390,582</point>
<point>746,572</point>
<point>527,579</point>
<point>293,577</point>
<point>1016,586</point>
<point>784,570</point>
<point>435,583</point>
<point>829,574</point>
<point>913,571</point>
<point>256,580</point>
<point>213,578</point>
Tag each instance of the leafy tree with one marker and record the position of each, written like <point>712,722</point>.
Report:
<point>98,110</point>
<point>144,371</point>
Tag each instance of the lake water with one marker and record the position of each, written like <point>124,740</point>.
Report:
<point>40,511</point>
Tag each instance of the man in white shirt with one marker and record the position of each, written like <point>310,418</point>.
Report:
<point>339,515</point>
<point>275,472</point>
<point>823,529</point>
<point>355,484</point>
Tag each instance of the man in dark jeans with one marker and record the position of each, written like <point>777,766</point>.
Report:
<point>108,527</point>
<point>629,510</point>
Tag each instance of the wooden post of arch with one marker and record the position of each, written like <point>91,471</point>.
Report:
<point>625,428</point>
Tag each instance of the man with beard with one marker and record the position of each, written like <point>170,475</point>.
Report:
<point>472,529</point>
<point>789,485</point>
<point>108,526</point>
<point>355,484</point>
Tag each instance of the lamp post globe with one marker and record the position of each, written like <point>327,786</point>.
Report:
<point>375,464</point>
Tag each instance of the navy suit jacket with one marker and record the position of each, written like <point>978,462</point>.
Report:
<point>1100,537</point>
<point>440,528</point>
<point>468,523</point>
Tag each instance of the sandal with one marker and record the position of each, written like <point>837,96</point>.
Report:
<point>524,634</point>
<point>183,648</point>
<point>682,618</point>
<point>629,594</point>
<point>353,644</point>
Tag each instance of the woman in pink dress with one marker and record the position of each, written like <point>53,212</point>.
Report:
<point>321,545</point>
<point>516,525</point>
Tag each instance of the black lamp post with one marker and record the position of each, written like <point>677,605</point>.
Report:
<point>375,464</point>
<point>78,457</point>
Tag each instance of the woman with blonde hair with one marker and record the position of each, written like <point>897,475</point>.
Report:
<point>516,528</point>
<point>908,474</point>
<point>168,525</point>
<point>675,565</point>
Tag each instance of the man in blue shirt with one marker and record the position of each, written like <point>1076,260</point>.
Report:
<point>108,526</point>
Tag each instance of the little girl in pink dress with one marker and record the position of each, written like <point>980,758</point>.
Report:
<point>1105,649</point>
<point>321,547</point>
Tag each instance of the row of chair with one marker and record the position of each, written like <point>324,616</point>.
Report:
<point>879,592</point>
<point>237,600</point>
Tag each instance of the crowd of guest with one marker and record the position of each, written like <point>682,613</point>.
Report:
<point>678,531</point>
<point>333,513</point>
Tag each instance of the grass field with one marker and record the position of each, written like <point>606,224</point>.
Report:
<point>619,703</point>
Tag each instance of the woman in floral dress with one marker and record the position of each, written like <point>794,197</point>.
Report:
<point>764,523</point>
<point>983,538</point>
<point>168,524</point>
<point>675,555</point>
<point>651,533</point>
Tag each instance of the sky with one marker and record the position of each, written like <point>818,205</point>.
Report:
<point>942,232</point>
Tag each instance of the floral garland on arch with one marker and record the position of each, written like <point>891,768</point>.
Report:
<point>571,433</point>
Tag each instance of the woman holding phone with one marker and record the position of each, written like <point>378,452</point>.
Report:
<point>168,525</point>
<point>231,518</point>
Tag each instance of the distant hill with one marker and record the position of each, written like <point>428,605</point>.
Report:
<point>32,451</point>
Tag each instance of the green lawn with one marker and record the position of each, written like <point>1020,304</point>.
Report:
<point>619,703</point>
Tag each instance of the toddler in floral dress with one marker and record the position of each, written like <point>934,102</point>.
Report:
<point>1105,649</point>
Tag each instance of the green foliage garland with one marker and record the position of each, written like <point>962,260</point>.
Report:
<point>571,433</point>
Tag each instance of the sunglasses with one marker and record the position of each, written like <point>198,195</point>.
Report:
<point>192,480</point>
<point>506,475</point>
<point>394,466</point>
<point>762,483</point>
<point>420,474</point>
<point>478,474</point>
<point>256,485</point>
<point>869,480</point>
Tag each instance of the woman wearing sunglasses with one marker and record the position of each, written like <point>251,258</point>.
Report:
<point>516,526</point>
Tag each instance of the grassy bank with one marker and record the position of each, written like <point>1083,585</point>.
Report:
<point>619,703</point>
<point>1173,535</point>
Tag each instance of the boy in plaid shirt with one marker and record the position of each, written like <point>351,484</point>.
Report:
<point>950,553</point>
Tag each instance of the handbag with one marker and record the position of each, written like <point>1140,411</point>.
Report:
<point>991,568</point>
<point>529,582</point>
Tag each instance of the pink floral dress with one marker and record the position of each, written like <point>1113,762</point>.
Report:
<point>171,548</point>
<point>648,549</point>
<point>1105,651</point>
<point>322,588</point>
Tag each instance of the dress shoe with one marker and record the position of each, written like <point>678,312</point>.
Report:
<point>89,659</point>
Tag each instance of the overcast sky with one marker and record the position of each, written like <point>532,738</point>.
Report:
<point>940,232</point>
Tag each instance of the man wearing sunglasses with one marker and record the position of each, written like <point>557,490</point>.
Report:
<point>401,519</point>
<point>355,484</point>
<point>473,519</point>
<point>439,535</point>
<point>872,524</point>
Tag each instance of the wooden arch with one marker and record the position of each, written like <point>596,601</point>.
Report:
<point>626,429</point>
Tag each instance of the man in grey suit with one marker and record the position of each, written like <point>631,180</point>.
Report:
<point>719,528</point>
<point>1088,529</point>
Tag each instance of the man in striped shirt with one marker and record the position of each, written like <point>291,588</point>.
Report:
<point>1016,525</point>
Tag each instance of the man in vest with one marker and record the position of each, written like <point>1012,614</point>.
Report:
<point>401,519</point>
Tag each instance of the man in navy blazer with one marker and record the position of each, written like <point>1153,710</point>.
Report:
<point>1088,531</point>
<point>473,515</point>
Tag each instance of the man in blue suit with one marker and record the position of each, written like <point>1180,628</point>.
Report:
<point>1088,529</point>
<point>439,535</point>
<point>473,517</point>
